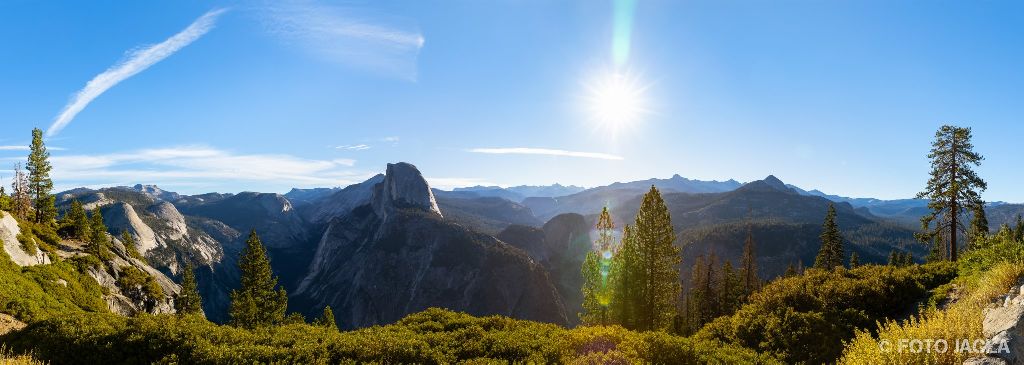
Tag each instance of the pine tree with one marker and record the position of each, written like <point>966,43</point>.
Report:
<point>596,271</point>
<point>748,269</point>
<point>327,319</point>
<point>5,201</point>
<point>40,184</point>
<point>99,243</point>
<point>624,281</point>
<point>952,187</point>
<point>657,263</point>
<point>78,221</point>
<point>831,253</point>
<point>893,258</point>
<point>730,289</point>
<point>854,260</point>
<point>259,302</point>
<point>979,226</point>
<point>21,201</point>
<point>790,271</point>
<point>1018,232</point>
<point>188,300</point>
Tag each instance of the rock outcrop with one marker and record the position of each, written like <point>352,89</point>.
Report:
<point>9,231</point>
<point>397,255</point>
<point>1003,328</point>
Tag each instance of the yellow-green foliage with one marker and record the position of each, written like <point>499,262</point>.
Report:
<point>434,336</point>
<point>7,358</point>
<point>985,275</point>
<point>805,319</point>
<point>35,235</point>
<point>39,292</point>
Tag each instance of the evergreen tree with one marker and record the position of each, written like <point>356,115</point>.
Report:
<point>39,181</point>
<point>730,289</point>
<point>831,253</point>
<point>596,272</point>
<point>79,221</point>
<point>854,260</point>
<point>1018,232</point>
<point>748,269</point>
<point>979,226</point>
<point>21,201</point>
<point>5,201</point>
<point>790,271</point>
<point>259,302</point>
<point>327,319</point>
<point>188,300</point>
<point>624,280</point>
<point>129,245</point>
<point>952,187</point>
<point>99,243</point>
<point>656,267</point>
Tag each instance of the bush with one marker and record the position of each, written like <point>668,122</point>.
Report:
<point>806,318</point>
<point>27,243</point>
<point>43,291</point>
<point>434,336</point>
<point>985,275</point>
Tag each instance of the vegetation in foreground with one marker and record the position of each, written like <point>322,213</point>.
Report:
<point>434,336</point>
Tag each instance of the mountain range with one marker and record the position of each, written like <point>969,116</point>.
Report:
<point>391,245</point>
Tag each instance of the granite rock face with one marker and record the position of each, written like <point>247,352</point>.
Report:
<point>398,256</point>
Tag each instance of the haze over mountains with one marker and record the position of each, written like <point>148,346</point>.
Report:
<point>391,245</point>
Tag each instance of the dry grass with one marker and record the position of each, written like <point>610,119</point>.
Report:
<point>6,358</point>
<point>960,321</point>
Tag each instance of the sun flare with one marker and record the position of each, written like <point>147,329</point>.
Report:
<point>616,102</point>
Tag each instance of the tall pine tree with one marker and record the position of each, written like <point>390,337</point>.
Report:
<point>188,300</point>
<point>623,280</point>
<point>952,187</point>
<point>21,200</point>
<point>854,260</point>
<point>656,267</point>
<point>259,302</point>
<point>596,272</point>
<point>327,319</point>
<point>40,184</point>
<point>831,253</point>
<point>99,242</point>
<point>979,226</point>
<point>748,266</point>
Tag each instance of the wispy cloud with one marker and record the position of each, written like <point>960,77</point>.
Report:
<point>136,61</point>
<point>448,183</point>
<point>390,139</point>
<point>546,151</point>
<point>13,148</point>
<point>200,166</point>
<point>348,35</point>
<point>353,147</point>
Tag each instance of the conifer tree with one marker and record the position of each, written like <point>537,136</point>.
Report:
<point>99,243</point>
<point>5,201</point>
<point>623,280</point>
<point>129,245</point>
<point>259,302</point>
<point>40,184</point>
<point>748,270</point>
<point>952,187</point>
<point>327,319</point>
<point>596,272</point>
<point>1018,232</point>
<point>21,202</point>
<point>188,300</point>
<point>979,226</point>
<point>78,221</point>
<point>656,266</point>
<point>854,260</point>
<point>790,271</point>
<point>730,289</point>
<point>831,253</point>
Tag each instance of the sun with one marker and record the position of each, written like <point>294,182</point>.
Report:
<point>616,102</point>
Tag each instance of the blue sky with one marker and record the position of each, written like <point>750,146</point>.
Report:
<point>841,96</point>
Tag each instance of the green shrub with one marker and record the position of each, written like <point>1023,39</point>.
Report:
<point>434,336</point>
<point>44,291</point>
<point>806,318</point>
<point>27,243</point>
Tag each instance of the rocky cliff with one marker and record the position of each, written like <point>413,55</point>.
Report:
<point>397,255</point>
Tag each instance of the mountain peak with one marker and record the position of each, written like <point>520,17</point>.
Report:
<point>403,187</point>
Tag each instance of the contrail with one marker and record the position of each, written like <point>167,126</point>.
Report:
<point>135,62</point>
